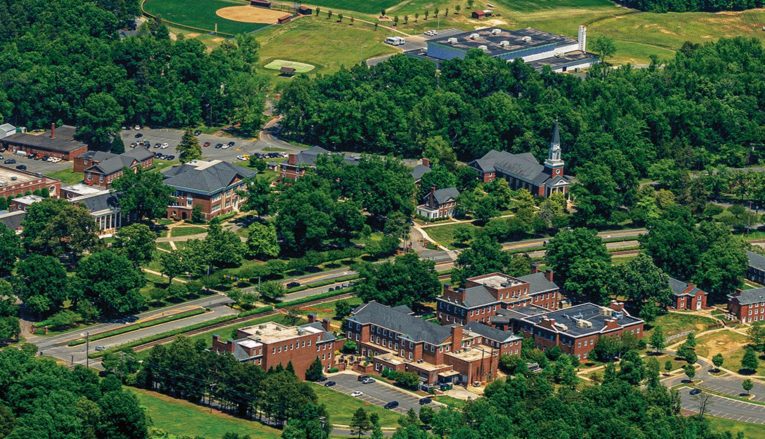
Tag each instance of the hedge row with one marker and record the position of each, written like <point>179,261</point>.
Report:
<point>137,326</point>
<point>254,311</point>
<point>323,283</point>
<point>326,295</point>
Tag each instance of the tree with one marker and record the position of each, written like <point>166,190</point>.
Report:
<point>315,371</point>
<point>604,46</point>
<point>405,281</point>
<point>143,194</point>
<point>57,227</point>
<point>249,104</point>
<point>687,353</point>
<point>439,152</point>
<point>658,341</point>
<point>589,281</point>
<point>690,371</point>
<point>718,361</point>
<point>668,366</point>
<point>197,217</point>
<point>568,246</point>
<point>747,385</point>
<point>189,148</point>
<point>259,196</point>
<point>135,241</point>
<point>596,193</point>
<point>749,362</point>
<point>9,328</point>
<point>262,242</point>
<point>722,267</point>
<point>123,417</point>
<point>271,290</point>
<point>757,335</point>
<point>99,120</point>
<point>438,178</point>
<point>173,264</point>
<point>41,283</point>
<point>10,249</point>
<point>642,282</point>
<point>111,282</point>
<point>484,255</point>
<point>343,309</point>
<point>426,415</point>
<point>360,422</point>
<point>223,247</point>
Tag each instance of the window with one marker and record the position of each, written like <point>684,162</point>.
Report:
<point>280,349</point>
<point>189,200</point>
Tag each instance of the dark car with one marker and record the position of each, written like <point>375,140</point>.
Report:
<point>170,157</point>
<point>138,135</point>
<point>425,400</point>
<point>197,132</point>
<point>362,377</point>
<point>21,167</point>
<point>293,284</point>
<point>219,146</point>
<point>695,391</point>
<point>9,161</point>
<point>329,384</point>
<point>231,143</point>
<point>391,405</point>
<point>157,145</point>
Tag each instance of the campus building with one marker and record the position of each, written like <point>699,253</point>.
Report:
<point>14,183</point>
<point>56,142</point>
<point>393,338</point>
<point>687,296</point>
<point>212,185</point>
<point>756,270</point>
<point>12,220</point>
<point>535,47</point>
<point>298,163</point>
<point>524,171</point>
<point>272,344</point>
<point>483,296</point>
<point>102,168</point>
<point>422,168</point>
<point>438,203</point>
<point>576,330</point>
<point>747,305</point>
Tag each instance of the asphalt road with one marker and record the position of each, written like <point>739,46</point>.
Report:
<point>374,393</point>
<point>722,407</point>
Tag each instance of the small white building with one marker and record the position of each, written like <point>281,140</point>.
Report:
<point>6,130</point>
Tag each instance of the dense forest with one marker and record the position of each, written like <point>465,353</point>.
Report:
<point>701,108</point>
<point>691,5</point>
<point>64,61</point>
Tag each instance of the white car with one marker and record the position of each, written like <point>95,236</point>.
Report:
<point>357,393</point>
<point>225,146</point>
<point>137,127</point>
<point>164,146</point>
<point>241,158</point>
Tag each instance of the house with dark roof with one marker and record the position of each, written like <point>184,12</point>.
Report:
<point>756,269</point>
<point>56,142</point>
<point>104,207</point>
<point>12,220</point>
<point>419,170</point>
<point>483,296</point>
<point>102,168</point>
<point>212,185</point>
<point>687,296</point>
<point>272,344</point>
<point>393,338</point>
<point>298,163</point>
<point>576,329</point>
<point>524,171</point>
<point>747,305</point>
<point>438,203</point>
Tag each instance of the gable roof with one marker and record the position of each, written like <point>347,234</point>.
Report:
<point>748,297</point>
<point>12,220</point>
<point>538,283</point>
<point>679,288</point>
<point>205,178</point>
<point>62,142</point>
<point>523,166</point>
<point>419,171</point>
<point>112,165</point>
<point>478,295</point>
<point>98,156</point>
<point>443,195</point>
<point>394,319</point>
<point>98,202</point>
<point>756,260</point>
<point>491,333</point>
<point>140,154</point>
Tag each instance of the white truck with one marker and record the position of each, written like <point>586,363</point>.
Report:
<point>395,41</point>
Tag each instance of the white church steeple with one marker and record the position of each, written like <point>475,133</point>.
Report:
<point>554,163</point>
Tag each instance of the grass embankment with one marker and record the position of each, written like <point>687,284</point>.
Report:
<point>341,407</point>
<point>137,326</point>
<point>183,418</point>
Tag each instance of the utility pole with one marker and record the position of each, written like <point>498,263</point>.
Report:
<point>87,348</point>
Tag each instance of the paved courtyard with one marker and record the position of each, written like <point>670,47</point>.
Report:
<point>375,393</point>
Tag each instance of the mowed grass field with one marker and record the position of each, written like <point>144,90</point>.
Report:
<point>199,14</point>
<point>365,6</point>
<point>728,343</point>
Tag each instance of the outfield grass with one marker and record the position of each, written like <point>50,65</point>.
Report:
<point>183,418</point>
<point>187,231</point>
<point>675,323</point>
<point>199,14</point>
<point>67,176</point>
<point>341,407</point>
<point>365,6</point>
<point>750,431</point>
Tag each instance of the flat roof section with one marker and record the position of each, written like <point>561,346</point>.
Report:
<point>498,41</point>
<point>12,177</point>
<point>496,281</point>
<point>271,332</point>
<point>570,59</point>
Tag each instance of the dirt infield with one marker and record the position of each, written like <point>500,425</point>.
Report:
<point>250,14</point>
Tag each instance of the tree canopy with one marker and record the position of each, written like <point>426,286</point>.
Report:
<point>407,280</point>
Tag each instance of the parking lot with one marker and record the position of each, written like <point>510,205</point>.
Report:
<point>34,166</point>
<point>375,393</point>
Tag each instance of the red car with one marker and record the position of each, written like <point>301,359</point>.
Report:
<point>206,144</point>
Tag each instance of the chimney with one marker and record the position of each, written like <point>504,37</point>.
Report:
<point>535,267</point>
<point>53,130</point>
<point>325,324</point>
<point>230,346</point>
<point>549,275</point>
<point>582,38</point>
<point>311,318</point>
<point>292,159</point>
<point>426,162</point>
<point>456,337</point>
<point>616,306</point>
<point>612,324</point>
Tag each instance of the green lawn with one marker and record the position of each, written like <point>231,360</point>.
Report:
<point>67,176</point>
<point>341,407</point>
<point>751,431</point>
<point>164,246</point>
<point>299,67</point>
<point>728,343</point>
<point>200,14</point>
<point>183,418</point>
<point>327,310</point>
<point>187,230</point>
<point>451,401</point>
<point>444,234</point>
<point>675,323</point>
<point>366,6</point>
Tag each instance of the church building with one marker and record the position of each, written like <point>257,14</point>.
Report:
<point>524,171</point>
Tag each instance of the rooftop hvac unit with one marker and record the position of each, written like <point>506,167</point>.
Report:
<point>583,324</point>
<point>504,43</point>
<point>562,326</point>
<point>617,314</point>
<point>483,47</point>
<point>496,31</point>
<point>473,36</point>
<point>526,39</point>
<point>606,311</point>
<point>452,41</point>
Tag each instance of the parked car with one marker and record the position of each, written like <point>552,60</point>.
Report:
<point>356,393</point>
<point>426,400</point>
<point>368,380</point>
<point>695,391</point>
<point>232,143</point>
<point>242,158</point>
<point>137,127</point>
<point>329,384</point>
<point>218,146</point>
<point>391,405</point>
<point>138,135</point>
<point>170,157</point>
<point>197,132</point>
<point>1,157</point>
<point>54,159</point>
<point>293,284</point>
<point>164,145</point>
<point>10,161</point>
<point>157,145</point>
<point>21,167</point>
<point>206,144</point>
<point>100,348</point>
<point>362,377</point>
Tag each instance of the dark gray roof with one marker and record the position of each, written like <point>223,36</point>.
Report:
<point>98,202</point>
<point>444,195</point>
<point>419,171</point>
<point>585,311</point>
<point>96,155</point>
<point>12,220</point>
<point>491,333</point>
<point>478,295</point>
<point>63,142</point>
<point>112,165</point>
<point>538,283</point>
<point>678,288</point>
<point>523,166</point>
<point>140,154</point>
<point>310,156</point>
<point>206,181</point>
<point>414,327</point>
<point>403,308</point>
<point>756,260</point>
<point>748,297</point>
<point>505,315</point>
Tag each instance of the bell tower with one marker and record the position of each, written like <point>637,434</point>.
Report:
<point>554,164</point>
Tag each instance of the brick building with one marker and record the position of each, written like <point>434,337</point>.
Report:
<point>524,171</point>
<point>687,296</point>
<point>748,305</point>
<point>12,220</point>
<point>57,142</point>
<point>439,203</point>
<point>297,164</point>
<point>756,270</point>
<point>14,183</point>
<point>212,185</point>
<point>576,330</point>
<point>102,168</point>
<point>395,339</point>
<point>271,344</point>
<point>482,296</point>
